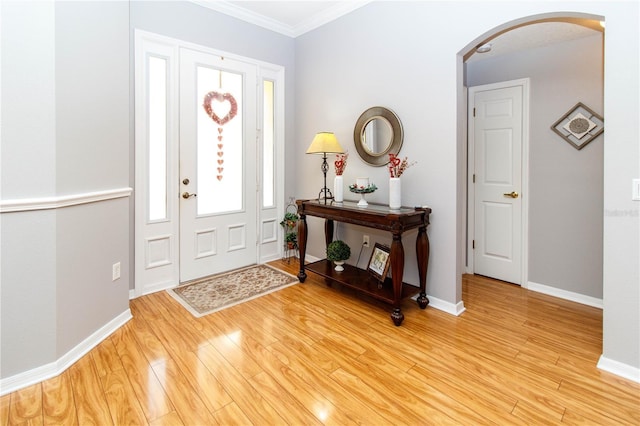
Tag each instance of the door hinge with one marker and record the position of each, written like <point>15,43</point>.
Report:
<point>474,178</point>
<point>473,244</point>
<point>474,111</point>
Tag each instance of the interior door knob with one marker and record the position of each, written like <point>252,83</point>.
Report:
<point>186,195</point>
<point>512,194</point>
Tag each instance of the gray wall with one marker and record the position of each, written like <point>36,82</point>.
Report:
<point>565,185</point>
<point>65,127</point>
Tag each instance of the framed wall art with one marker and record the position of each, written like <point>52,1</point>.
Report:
<point>579,126</point>
<point>379,261</point>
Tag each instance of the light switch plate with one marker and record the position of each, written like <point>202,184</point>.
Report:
<point>635,195</point>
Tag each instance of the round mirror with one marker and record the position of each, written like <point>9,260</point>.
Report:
<point>378,132</point>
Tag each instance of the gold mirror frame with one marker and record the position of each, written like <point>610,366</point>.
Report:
<point>393,147</point>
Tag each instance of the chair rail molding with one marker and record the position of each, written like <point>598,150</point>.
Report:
<point>48,203</point>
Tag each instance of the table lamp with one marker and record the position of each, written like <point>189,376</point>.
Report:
<point>323,143</point>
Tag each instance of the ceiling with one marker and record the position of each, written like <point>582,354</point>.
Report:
<point>294,18</point>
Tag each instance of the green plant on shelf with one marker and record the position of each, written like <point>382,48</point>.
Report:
<point>291,238</point>
<point>289,221</point>
<point>338,251</point>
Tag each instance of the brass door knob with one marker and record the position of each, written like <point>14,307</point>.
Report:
<point>186,195</point>
<point>512,194</point>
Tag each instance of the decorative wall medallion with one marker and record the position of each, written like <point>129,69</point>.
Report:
<point>209,98</point>
<point>579,126</point>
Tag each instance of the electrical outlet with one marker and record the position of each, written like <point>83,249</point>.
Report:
<point>365,241</point>
<point>115,271</point>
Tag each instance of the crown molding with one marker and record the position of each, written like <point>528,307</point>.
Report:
<point>294,31</point>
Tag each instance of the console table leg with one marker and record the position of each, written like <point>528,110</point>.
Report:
<point>422,300</point>
<point>302,244</point>
<point>397,317</point>
<point>397,270</point>
<point>422,254</point>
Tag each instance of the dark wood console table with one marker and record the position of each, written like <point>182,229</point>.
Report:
<point>379,217</point>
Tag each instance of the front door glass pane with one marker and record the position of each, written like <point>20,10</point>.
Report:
<point>268,135</point>
<point>157,161</point>
<point>220,165</point>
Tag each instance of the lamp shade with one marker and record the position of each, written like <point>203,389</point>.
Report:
<point>325,142</point>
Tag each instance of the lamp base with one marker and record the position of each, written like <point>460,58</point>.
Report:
<point>325,194</point>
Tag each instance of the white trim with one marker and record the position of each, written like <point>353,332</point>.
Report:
<point>47,203</point>
<point>319,19</point>
<point>525,84</point>
<point>619,369</point>
<point>564,294</point>
<point>47,371</point>
<point>442,305</point>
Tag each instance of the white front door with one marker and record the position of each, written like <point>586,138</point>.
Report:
<point>218,187</point>
<point>496,130</point>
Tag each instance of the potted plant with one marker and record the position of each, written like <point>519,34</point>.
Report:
<point>338,251</point>
<point>291,239</point>
<point>289,224</point>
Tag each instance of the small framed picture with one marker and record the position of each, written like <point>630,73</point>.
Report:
<point>379,262</point>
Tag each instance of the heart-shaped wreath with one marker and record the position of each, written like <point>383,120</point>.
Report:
<point>220,97</point>
<point>220,121</point>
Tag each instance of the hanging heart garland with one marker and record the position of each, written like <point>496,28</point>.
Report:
<point>209,98</point>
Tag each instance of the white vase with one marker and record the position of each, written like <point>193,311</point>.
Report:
<point>339,267</point>
<point>395,193</point>
<point>338,189</point>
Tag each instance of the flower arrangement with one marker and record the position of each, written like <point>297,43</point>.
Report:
<point>397,167</point>
<point>341,163</point>
<point>361,189</point>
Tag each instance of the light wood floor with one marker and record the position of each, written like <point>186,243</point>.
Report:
<point>309,354</point>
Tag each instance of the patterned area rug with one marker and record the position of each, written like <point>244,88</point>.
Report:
<point>217,292</point>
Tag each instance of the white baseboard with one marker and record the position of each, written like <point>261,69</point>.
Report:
<point>619,369</point>
<point>39,374</point>
<point>441,305</point>
<point>564,294</point>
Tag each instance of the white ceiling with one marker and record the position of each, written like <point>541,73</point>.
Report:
<point>294,18</point>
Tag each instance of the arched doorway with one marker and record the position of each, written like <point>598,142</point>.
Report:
<point>552,164</point>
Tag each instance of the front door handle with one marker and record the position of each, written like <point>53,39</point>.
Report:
<point>512,194</point>
<point>186,195</point>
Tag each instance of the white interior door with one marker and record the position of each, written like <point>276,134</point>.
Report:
<point>497,134</point>
<point>218,188</point>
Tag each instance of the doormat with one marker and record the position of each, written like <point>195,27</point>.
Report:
<point>217,292</point>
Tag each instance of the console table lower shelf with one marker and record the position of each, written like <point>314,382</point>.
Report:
<point>363,282</point>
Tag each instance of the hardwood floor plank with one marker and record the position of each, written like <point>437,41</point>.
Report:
<point>293,385</point>
<point>205,384</point>
<point>491,404</point>
<point>417,396</point>
<point>244,395</point>
<point>91,404</point>
<point>153,350</point>
<point>121,399</point>
<point>5,404</point>
<point>105,357</point>
<point>288,407</point>
<point>187,402</point>
<point>231,415</point>
<point>58,405</point>
<point>353,407</point>
<point>169,419</point>
<point>152,398</point>
<point>628,410</point>
<point>26,406</point>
